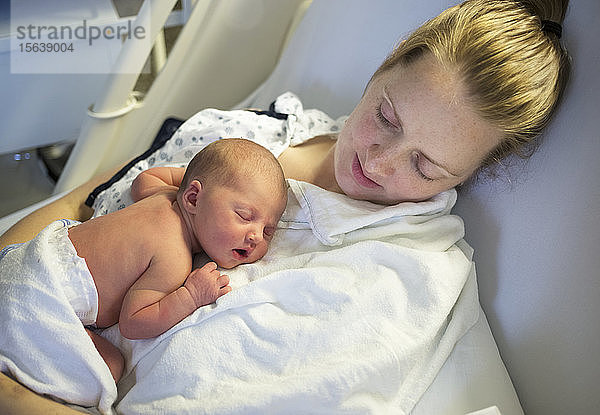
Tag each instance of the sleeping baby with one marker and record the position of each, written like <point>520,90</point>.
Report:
<point>134,266</point>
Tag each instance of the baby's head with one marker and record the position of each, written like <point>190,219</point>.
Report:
<point>234,193</point>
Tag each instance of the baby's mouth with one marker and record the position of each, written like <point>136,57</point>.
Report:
<point>241,254</point>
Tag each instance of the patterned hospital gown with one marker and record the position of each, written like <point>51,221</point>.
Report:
<point>294,126</point>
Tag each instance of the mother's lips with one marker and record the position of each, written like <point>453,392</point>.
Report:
<point>359,175</point>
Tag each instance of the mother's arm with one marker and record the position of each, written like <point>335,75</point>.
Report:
<point>69,206</point>
<point>16,399</point>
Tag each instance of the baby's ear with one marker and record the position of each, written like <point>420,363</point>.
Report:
<point>191,194</point>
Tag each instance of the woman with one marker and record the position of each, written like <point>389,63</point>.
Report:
<point>454,97</point>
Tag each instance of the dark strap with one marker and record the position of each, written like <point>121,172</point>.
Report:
<point>271,112</point>
<point>166,131</point>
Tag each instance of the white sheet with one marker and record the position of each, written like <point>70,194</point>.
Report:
<point>347,326</point>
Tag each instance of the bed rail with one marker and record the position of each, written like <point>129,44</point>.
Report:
<point>223,53</point>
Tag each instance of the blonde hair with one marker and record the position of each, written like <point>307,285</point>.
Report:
<point>228,161</point>
<point>514,71</point>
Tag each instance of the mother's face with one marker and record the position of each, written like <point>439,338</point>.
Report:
<point>412,136</point>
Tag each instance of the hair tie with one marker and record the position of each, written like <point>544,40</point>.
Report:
<point>549,26</point>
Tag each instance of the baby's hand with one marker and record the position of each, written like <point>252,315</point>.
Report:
<point>206,284</point>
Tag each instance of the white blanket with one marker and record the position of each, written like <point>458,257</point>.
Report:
<point>330,321</point>
<point>354,309</point>
<point>43,343</point>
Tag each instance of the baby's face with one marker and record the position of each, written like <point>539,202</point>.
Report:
<point>236,224</point>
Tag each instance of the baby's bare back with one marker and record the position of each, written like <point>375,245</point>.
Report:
<point>120,246</point>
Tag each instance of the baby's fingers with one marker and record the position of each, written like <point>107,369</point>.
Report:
<point>223,281</point>
<point>209,266</point>
<point>224,290</point>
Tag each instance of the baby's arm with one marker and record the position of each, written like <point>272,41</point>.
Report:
<point>152,180</point>
<point>148,311</point>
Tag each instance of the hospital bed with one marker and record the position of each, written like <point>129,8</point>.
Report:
<point>535,236</point>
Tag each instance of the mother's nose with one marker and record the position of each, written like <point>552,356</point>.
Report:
<point>380,160</point>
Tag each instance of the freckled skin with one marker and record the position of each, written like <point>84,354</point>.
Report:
<point>434,120</point>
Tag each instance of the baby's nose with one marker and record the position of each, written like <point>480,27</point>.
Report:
<point>254,236</point>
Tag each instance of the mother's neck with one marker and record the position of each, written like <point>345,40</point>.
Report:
<point>312,162</point>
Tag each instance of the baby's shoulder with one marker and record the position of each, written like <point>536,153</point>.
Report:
<point>156,209</point>
<point>171,250</point>
<point>156,218</point>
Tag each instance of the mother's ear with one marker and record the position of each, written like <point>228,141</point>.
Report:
<point>190,195</point>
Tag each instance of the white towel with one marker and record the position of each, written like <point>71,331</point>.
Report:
<point>43,344</point>
<point>330,321</point>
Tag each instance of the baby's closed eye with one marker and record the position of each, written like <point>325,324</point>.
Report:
<point>244,214</point>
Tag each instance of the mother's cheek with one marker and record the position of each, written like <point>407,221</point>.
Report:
<point>363,130</point>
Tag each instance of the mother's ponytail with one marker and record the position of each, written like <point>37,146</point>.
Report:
<point>510,58</point>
